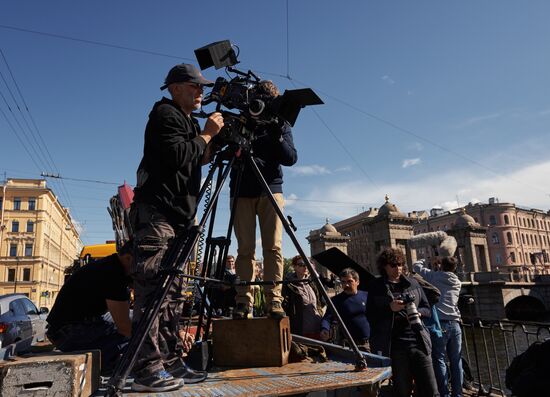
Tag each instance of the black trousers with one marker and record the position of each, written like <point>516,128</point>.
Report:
<point>408,364</point>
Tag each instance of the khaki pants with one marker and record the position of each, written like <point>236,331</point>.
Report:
<point>271,230</point>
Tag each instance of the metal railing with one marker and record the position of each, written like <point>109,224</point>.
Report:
<point>490,346</point>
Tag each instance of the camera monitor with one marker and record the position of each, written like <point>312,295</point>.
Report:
<point>218,54</point>
<point>289,104</point>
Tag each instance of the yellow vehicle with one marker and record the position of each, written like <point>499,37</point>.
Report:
<point>97,251</point>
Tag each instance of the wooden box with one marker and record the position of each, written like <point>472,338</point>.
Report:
<point>51,374</point>
<point>256,342</point>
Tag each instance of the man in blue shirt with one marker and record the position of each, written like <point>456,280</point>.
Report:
<point>352,307</point>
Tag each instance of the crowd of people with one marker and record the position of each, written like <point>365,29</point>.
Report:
<point>380,320</point>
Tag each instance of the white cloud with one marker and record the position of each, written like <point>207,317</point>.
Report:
<point>388,79</point>
<point>346,168</point>
<point>290,200</point>
<point>527,186</point>
<point>478,119</point>
<point>410,162</point>
<point>309,170</point>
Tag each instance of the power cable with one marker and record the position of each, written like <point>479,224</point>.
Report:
<point>420,137</point>
<point>98,43</point>
<point>19,139</point>
<point>53,167</point>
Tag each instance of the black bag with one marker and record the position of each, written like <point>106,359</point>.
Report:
<point>527,375</point>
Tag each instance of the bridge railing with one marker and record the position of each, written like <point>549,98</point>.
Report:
<point>490,346</point>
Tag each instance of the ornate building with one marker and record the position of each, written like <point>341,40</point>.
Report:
<point>38,240</point>
<point>371,231</point>
<point>325,238</point>
<point>514,235</point>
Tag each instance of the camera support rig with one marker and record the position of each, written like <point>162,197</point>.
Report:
<point>181,248</point>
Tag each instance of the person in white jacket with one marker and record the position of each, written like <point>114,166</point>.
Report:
<point>449,316</point>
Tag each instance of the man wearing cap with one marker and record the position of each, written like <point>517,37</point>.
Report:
<point>168,183</point>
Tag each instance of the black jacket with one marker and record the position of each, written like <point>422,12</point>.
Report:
<point>270,153</point>
<point>169,174</point>
<point>381,316</point>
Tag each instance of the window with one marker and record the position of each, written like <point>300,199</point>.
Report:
<point>492,220</point>
<point>17,308</point>
<point>30,308</point>
<point>523,238</point>
<point>513,257</point>
<point>16,203</point>
<point>26,274</point>
<point>498,259</point>
<point>32,204</point>
<point>514,219</point>
<point>1,202</point>
<point>28,249</point>
<point>495,239</point>
<point>506,220</point>
<point>11,275</point>
<point>14,226</point>
<point>509,237</point>
<point>517,237</point>
<point>30,226</point>
<point>532,242</point>
<point>13,249</point>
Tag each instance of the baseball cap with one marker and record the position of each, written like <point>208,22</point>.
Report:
<point>183,73</point>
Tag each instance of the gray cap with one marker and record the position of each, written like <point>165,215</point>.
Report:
<point>183,73</point>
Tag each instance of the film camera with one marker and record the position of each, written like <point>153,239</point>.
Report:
<point>245,93</point>
<point>412,313</point>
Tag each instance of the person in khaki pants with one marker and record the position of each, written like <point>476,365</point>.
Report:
<point>273,146</point>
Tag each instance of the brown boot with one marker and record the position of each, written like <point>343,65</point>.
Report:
<point>241,312</point>
<point>275,310</point>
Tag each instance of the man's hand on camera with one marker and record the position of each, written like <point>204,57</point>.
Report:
<point>397,305</point>
<point>213,125</point>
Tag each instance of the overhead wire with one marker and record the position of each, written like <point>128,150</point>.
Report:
<point>45,157</point>
<point>291,80</point>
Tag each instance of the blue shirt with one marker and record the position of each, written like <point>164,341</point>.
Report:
<point>353,310</point>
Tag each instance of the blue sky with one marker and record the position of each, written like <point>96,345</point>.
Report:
<point>426,101</point>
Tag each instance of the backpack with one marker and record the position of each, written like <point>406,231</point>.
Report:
<point>527,375</point>
<point>433,325</point>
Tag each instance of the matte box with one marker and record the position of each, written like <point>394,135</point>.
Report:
<point>256,342</point>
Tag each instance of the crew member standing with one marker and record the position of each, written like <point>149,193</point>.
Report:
<point>272,147</point>
<point>168,183</point>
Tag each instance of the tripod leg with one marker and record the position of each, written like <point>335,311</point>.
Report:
<point>360,361</point>
<point>174,259</point>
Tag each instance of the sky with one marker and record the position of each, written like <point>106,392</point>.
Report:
<point>433,103</point>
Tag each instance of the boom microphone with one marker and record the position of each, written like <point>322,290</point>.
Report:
<point>446,245</point>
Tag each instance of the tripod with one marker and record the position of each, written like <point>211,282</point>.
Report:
<point>180,251</point>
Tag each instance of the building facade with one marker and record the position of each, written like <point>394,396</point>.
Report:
<point>515,235</point>
<point>371,231</point>
<point>38,240</point>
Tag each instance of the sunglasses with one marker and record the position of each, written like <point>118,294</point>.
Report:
<point>300,264</point>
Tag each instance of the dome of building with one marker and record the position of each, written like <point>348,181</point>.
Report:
<point>328,228</point>
<point>465,220</point>
<point>389,208</point>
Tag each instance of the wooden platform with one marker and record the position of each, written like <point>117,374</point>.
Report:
<point>291,379</point>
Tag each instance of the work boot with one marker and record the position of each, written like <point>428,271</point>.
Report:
<point>242,311</point>
<point>275,310</point>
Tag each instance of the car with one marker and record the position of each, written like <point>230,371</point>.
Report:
<point>21,324</point>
